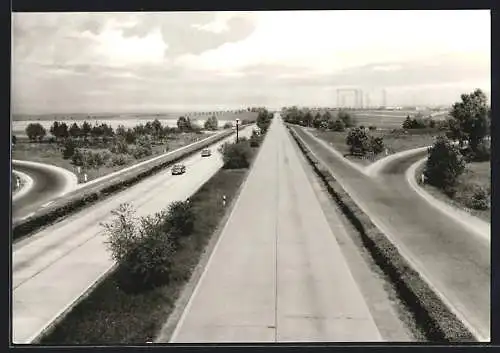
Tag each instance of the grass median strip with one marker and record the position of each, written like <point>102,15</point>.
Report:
<point>111,315</point>
<point>436,320</point>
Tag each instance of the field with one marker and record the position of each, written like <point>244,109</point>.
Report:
<point>476,173</point>
<point>51,153</point>
<point>394,142</point>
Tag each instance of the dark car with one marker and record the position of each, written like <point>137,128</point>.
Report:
<point>206,153</point>
<point>178,169</point>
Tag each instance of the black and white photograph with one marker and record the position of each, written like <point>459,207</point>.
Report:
<point>250,177</point>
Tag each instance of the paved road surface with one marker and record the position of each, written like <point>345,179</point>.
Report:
<point>48,182</point>
<point>55,266</point>
<point>453,259</point>
<point>277,273</point>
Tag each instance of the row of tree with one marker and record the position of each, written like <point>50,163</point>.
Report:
<point>340,122</point>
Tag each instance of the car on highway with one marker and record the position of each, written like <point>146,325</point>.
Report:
<point>206,153</point>
<point>178,169</point>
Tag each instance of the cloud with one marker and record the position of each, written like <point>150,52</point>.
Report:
<point>149,60</point>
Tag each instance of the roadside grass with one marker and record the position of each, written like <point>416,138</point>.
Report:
<point>109,315</point>
<point>51,153</point>
<point>396,141</point>
<point>476,173</point>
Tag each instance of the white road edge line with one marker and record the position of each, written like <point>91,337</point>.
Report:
<point>457,214</point>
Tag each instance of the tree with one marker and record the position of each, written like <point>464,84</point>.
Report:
<point>317,121</point>
<point>407,123</point>
<point>75,131</point>
<point>180,219</point>
<point>86,129</point>
<point>346,118</point>
<point>472,119</point>
<point>337,125</point>
<point>377,144</point>
<point>308,118</point>
<point>54,128</point>
<point>35,131</point>
<point>236,155</point>
<point>14,139</point>
<point>142,247</point>
<point>69,149</point>
<point>358,141</point>
<point>211,123</point>
<point>264,120</point>
<point>444,165</point>
<point>157,129</point>
<point>183,124</point>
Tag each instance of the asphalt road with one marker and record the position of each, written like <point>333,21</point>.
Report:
<point>54,267</point>
<point>277,273</point>
<point>48,182</point>
<point>452,258</point>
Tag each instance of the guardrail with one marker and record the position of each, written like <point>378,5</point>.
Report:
<point>82,197</point>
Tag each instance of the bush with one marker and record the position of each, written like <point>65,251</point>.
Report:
<point>119,159</point>
<point>480,199</point>
<point>482,153</point>
<point>228,125</point>
<point>377,144</point>
<point>348,120</point>
<point>180,219</point>
<point>120,146</point>
<point>444,165</point>
<point>372,128</point>
<point>142,248</point>
<point>69,149</point>
<point>337,125</point>
<point>236,155</point>
<point>77,157</point>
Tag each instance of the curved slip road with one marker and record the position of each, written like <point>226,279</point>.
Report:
<point>54,267</point>
<point>49,182</point>
<point>27,184</point>
<point>454,260</point>
<point>277,273</point>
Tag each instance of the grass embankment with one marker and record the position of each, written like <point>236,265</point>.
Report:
<point>431,315</point>
<point>51,153</point>
<point>110,315</point>
<point>475,174</point>
<point>396,141</point>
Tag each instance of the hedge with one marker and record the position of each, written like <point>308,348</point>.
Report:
<point>431,314</point>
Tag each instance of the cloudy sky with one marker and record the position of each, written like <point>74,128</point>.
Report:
<point>151,62</point>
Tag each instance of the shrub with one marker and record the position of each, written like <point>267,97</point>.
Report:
<point>120,146</point>
<point>444,165</point>
<point>236,155</point>
<point>119,159</point>
<point>228,125</point>
<point>480,199</point>
<point>69,149</point>
<point>337,125</point>
<point>372,128</point>
<point>180,219</point>
<point>377,144</point>
<point>142,248</point>
<point>77,157</point>
<point>483,152</point>
<point>348,120</point>
<point>358,141</point>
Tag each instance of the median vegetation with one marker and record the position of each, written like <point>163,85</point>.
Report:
<point>155,257</point>
<point>431,315</point>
